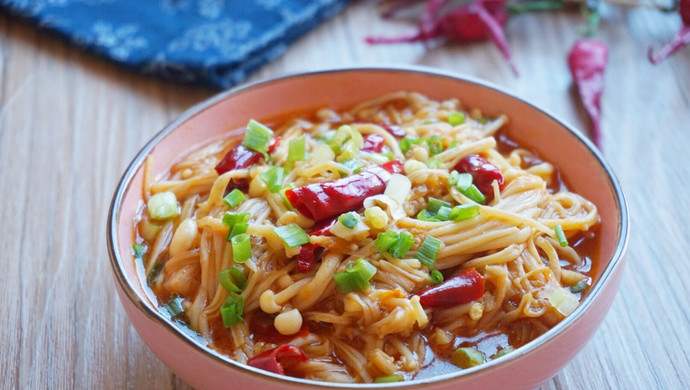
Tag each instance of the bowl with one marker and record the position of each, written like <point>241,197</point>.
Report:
<point>583,167</point>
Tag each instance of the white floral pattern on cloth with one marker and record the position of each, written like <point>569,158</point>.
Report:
<point>217,43</point>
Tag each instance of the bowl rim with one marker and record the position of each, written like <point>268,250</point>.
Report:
<point>124,281</point>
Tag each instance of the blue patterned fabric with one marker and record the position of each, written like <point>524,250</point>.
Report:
<point>210,42</point>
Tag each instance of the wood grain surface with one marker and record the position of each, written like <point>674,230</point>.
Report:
<point>70,123</point>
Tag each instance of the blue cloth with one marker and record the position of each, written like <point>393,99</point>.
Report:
<point>211,42</point>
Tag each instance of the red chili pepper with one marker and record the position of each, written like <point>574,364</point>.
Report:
<point>476,21</point>
<point>277,359</point>
<point>681,39</point>
<point>274,143</point>
<point>328,199</point>
<point>395,166</point>
<point>587,61</point>
<point>483,174</point>
<point>323,228</point>
<point>238,157</point>
<point>320,201</point>
<point>394,130</point>
<point>307,256</point>
<point>465,287</point>
<point>261,326</point>
<point>374,143</point>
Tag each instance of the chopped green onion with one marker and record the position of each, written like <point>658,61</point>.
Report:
<point>402,245</point>
<point>453,144</point>
<point>467,357</point>
<point>257,137</point>
<point>230,218</point>
<point>153,274</point>
<point>341,135</point>
<point>384,240</point>
<point>285,198</point>
<point>443,213</point>
<point>427,252</point>
<point>456,118</point>
<point>389,155</point>
<point>138,250</point>
<point>234,198</point>
<point>236,223</point>
<point>232,280</point>
<point>435,144</point>
<point>292,235</point>
<point>238,228</point>
<point>174,306</point>
<point>453,178</point>
<point>424,215</point>
<point>296,149</point>
<point>462,212</point>
<point>503,352</point>
<point>232,310</point>
<point>560,236</point>
<point>356,276</point>
<point>474,194</point>
<point>434,163</point>
<point>226,280</point>
<point>163,205</point>
<point>241,248</point>
<point>436,277</point>
<point>389,378</point>
<point>273,177</point>
<point>435,204</point>
<point>349,150</point>
<point>348,220</point>
<point>407,142</point>
<point>463,181</point>
<point>578,287</point>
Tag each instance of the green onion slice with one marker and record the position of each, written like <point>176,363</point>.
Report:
<point>435,144</point>
<point>473,193</point>
<point>424,215</point>
<point>356,276</point>
<point>138,250</point>
<point>407,142</point>
<point>226,280</point>
<point>434,163</point>
<point>384,240</point>
<point>435,204</point>
<point>153,274</point>
<point>402,245</point>
<point>257,137</point>
<point>292,235</point>
<point>578,287</point>
<point>503,352</point>
<point>427,252</point>
<point>241,248</point>
<point>232,310</point>
<point>234,198</point>
<point>436,277</point>
<point>174,306</point>
<point>389,378</point>
<point>467,357</point>
<point>560,236</point>
<point>163,205</point>
<point>297,149</point>
<point>348,220</point>
<point>456,118</point>
<point>273,177</point>
<point>463,212</point>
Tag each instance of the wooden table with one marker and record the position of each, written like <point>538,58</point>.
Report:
<point>70,123</point>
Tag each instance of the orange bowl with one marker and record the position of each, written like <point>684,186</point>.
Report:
<point>582,166</point>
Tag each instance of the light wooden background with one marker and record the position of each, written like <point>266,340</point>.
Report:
<point>70,123</point>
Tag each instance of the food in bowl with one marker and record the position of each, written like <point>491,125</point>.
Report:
<point>397,240</point>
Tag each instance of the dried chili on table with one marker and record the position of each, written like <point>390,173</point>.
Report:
<point>681,39</point>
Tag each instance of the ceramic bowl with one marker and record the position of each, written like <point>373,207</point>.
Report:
<point>583,167</point>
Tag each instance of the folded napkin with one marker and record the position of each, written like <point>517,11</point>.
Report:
<point>211,42</point>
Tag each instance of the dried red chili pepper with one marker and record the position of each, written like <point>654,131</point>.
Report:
<point>307,256</point>
<point>374,143</point>
<point>394,130</point>
<point>328,199</point>
<point>476,21</point>
<point>460,289</point>
<point>681,39</point>
<point>238,157</point>
<point>276,360</point>
<point>587,61</point>
<point>273,144</point>
<point>483,174</point>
